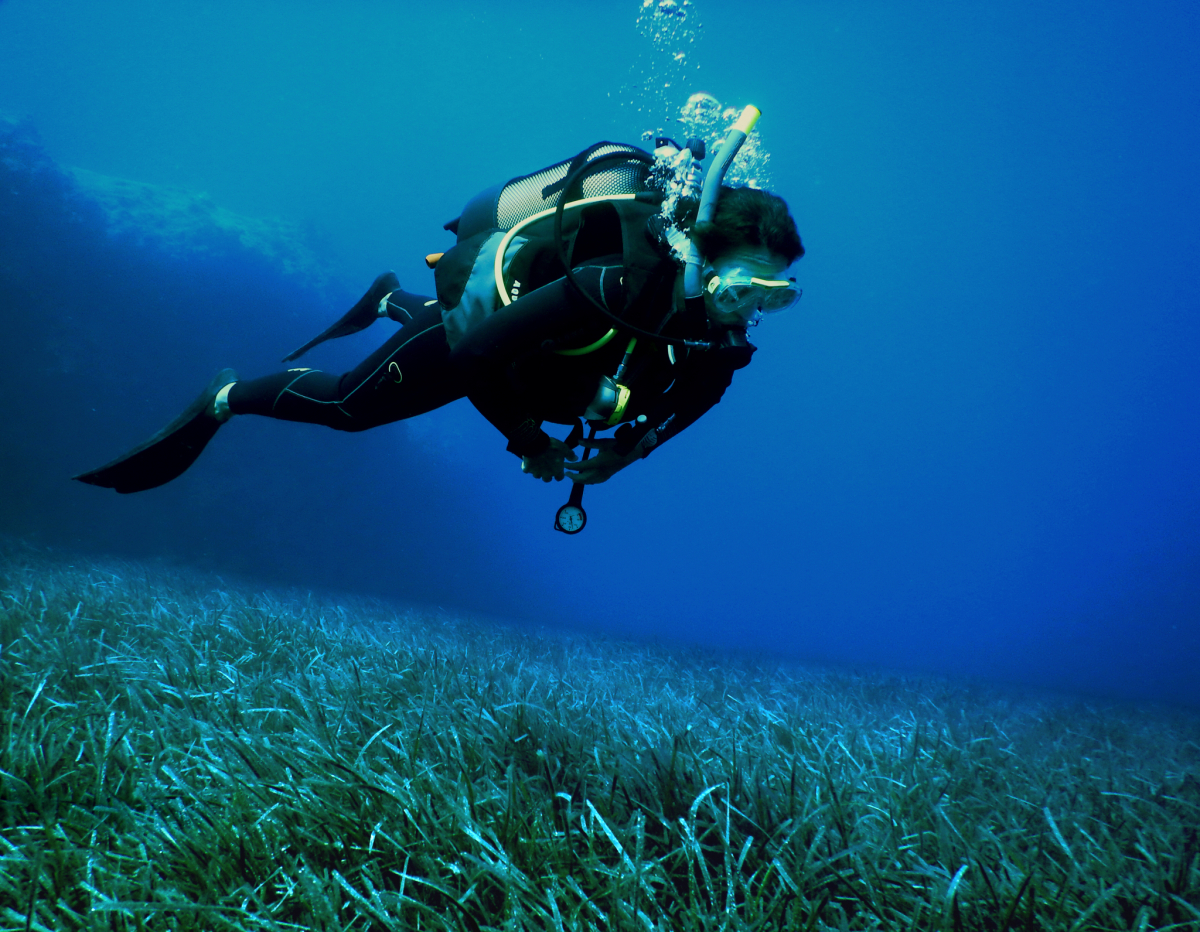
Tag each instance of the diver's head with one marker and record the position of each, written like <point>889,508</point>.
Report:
<point>749,244</point>
<point>741,286</point>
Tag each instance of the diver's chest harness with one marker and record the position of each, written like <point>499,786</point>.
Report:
<point>609,199</point>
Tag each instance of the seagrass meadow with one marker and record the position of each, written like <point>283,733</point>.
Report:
<point>178,753</point>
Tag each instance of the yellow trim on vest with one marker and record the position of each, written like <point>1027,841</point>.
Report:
<point>501,286</point>
<point>590,348</point>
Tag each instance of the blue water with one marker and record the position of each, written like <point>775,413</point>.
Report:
<point>972,449</point>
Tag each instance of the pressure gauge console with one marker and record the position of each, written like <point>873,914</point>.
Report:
<point>571,517</point>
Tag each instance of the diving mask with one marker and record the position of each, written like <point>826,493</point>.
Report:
<point>739,293</point>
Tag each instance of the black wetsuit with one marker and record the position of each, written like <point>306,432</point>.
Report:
<point>508,367</point>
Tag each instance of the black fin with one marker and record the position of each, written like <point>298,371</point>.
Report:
<point>359,317</point>
<point>169,452</point>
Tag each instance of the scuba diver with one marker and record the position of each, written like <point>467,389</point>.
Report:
<point>613,288</point>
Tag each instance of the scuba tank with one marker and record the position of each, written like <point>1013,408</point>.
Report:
<point>527,231</point>
<point>625,171</point>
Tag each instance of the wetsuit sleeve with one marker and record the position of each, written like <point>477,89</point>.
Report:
<point>487,352</point>
<point>700,385</point>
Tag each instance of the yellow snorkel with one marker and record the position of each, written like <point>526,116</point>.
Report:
<point>693,261</point>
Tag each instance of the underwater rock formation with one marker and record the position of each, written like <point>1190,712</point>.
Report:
<point>36,192</point>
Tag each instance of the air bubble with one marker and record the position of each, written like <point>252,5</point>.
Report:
<point>671,26</point>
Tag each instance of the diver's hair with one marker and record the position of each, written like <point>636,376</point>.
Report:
<point>749,217</point>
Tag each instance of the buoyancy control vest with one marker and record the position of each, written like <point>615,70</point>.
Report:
<point>606,211</point>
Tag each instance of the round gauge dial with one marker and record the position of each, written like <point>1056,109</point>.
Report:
<point>570,519</point>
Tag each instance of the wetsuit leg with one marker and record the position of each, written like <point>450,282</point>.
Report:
<point>409,375</point>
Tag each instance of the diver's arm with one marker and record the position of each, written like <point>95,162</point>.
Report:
<point>699,386</point>
<point>679,407</point>
<point>551,463</point>
<point>601,467</point>
<point>487,351</point>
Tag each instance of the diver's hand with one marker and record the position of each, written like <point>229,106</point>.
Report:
<point>603,466</point>
<point>549,463</point>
